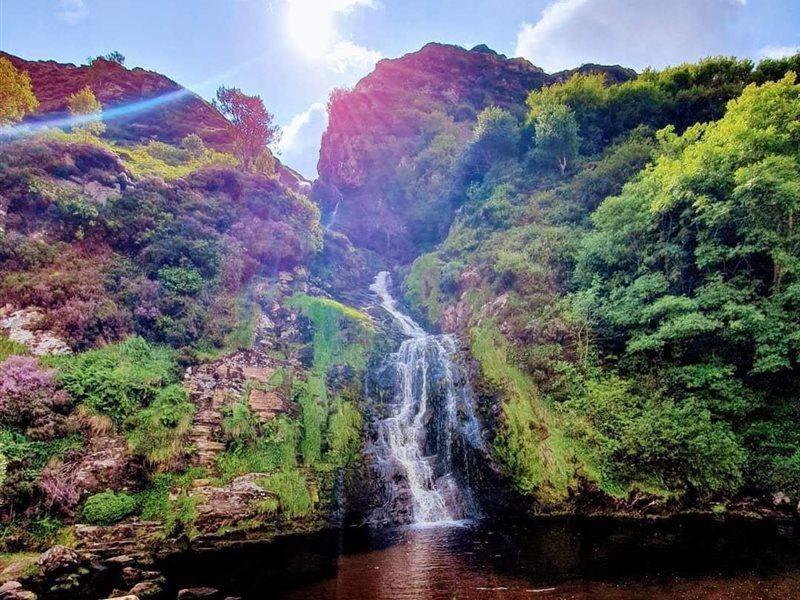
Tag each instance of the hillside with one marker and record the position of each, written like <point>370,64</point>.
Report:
<point>390,137</point>
<point>115,86</point>
<point>191,351</point>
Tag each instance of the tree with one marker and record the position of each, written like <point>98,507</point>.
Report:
<point>252,122</point>
<point>116,57</point>
<point>16,93</point>
<point>84,106</point>
<point>557,134</point>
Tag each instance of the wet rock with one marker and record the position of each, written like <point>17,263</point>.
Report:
<point>340,377</point>
<point>150,589</point>
<point>781,500</point>
<point>132,575</point>
<point>199,593</point>
<point>58,560</point>
<point>13,590</point>
<point>228,505</point>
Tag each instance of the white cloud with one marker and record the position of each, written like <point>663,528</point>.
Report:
<point>346,56</point>
<point>635,33</point>
<point>299,144</point>
<point>73,11</point>
<point>312,26</point>
<point>291,138</point>
<point>777,51</point>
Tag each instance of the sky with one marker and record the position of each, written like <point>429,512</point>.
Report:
<point>294,52</point>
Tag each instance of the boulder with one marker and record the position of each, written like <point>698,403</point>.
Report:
<point>58,560</point>
<point>150,589</point>
<point>781,500</point>
<point>12,590</point>
<point>199,593</point>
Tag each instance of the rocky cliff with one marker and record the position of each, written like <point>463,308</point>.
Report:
<point>401,117</point>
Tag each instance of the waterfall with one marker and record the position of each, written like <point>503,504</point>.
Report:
<point>429,413</point>
<point>332,222</point>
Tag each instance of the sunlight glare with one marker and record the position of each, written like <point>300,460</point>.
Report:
<point>310,26</point>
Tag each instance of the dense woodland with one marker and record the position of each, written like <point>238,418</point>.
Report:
<point>618,254</point>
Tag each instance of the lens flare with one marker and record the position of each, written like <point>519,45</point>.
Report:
<point>116,112</point>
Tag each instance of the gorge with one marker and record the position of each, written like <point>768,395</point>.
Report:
<point>526,333</point>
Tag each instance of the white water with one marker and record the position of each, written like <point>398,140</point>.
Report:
<point>332,222</point>
<point>423,371</point>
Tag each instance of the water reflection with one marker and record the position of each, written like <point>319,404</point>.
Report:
<point>694,558</point>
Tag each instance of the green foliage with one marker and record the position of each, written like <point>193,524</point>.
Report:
<point>289,485</point>
<point>158,432</point>
<point>181,280</point>
<point>557,134</point>
<point>16,93</point>
<point>253,451</point>
<point>167,500</point>
<point>9,347</point>
<point>646,442</point>
<point>87,110</point>
<point>107,508</point>
<point>119,379</point>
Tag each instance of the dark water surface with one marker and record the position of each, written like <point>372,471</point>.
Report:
<point>549,558</point>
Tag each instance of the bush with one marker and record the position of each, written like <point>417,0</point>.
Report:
<point>157,432</point>
<point>119,379</point>
<point>29,398</point>
<point>107,508</point>
<point>651,443</point>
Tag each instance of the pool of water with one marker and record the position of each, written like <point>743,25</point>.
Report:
<point>548,558</point>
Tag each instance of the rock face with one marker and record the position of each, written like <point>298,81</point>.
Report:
<point>20,326</point>
<point>376,128</point>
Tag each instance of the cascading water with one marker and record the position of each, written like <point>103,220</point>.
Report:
<point>429,413</point>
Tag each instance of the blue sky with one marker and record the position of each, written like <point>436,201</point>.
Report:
<point>293,52</point>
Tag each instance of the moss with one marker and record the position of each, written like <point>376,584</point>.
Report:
<point>531,444</point>
<point>107,508</point>
<point>341,335</point>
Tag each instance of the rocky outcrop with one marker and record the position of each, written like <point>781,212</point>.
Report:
<point>255,375</point>
<point>21,326</point>
<point>375,130</point>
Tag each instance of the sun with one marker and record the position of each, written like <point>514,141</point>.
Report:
<point>310,26</point>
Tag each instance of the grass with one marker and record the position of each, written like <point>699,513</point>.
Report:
<point>18,565</point>
<point>531,445</point>
<point>154,159</point>
<point>291,489</point>
<point>9,347</point>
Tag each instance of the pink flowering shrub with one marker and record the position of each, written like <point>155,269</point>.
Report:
<point>30,399</point>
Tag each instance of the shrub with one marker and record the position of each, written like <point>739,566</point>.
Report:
<point>29,398</point>
<point>119,379</point>
<point>652,443</point>
<point>107,508</point>
<point>157,432</point>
